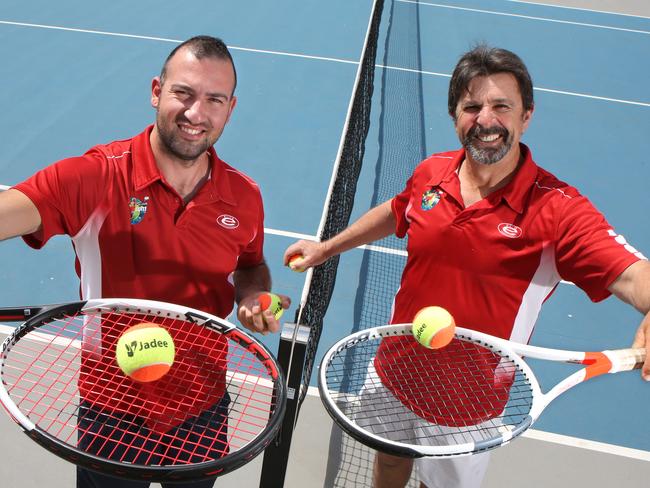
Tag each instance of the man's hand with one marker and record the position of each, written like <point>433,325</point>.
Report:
<point>633,286</point>
<point>642,340</point>
<point>375,224</point>
<point>251,315</point>
<point>311,253</point>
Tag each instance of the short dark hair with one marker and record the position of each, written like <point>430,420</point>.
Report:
<point>484,60</point>
<point>202,47</point>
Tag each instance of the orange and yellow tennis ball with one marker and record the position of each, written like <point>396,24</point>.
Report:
<point>145,352</point>
<point>271,301</point>
<point>433,327</point>
<point>295,263</point>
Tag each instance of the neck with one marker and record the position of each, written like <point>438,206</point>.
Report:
<point>185,176</point>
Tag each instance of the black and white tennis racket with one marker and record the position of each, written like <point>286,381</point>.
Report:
<point>477,393</point>
<point>218,406</point>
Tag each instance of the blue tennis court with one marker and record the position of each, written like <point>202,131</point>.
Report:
<point>78,74</point>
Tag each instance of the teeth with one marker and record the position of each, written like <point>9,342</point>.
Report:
<point>190,131</point>
<point>489,138</point>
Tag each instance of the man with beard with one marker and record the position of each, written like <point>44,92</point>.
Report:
<point>159,216</point>
<point>490,236</point>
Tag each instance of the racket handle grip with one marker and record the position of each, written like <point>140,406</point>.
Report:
<point>626,359</point>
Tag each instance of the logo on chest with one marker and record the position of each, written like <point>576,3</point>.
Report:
<point>510,230</point>
<point>430,198</point>
<point>228,221</point>
<point>138,209</point>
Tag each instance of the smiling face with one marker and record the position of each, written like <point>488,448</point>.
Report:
<point>193,104</point>
<point>490,119</point>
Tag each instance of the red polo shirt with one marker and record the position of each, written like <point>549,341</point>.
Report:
<point>494,263</point>
<point>134,238</point>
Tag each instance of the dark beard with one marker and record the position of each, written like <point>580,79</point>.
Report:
<point>484,155</point>
<point>179,148</point>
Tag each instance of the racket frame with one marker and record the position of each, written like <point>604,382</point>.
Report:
<point>597,363</point>
<point>152,473</point>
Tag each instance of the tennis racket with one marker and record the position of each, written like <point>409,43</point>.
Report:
<point>218,406</point>
<point>477,393</point>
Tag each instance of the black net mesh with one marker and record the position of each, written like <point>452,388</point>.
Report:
<point>402,147</point>
<point>402,135</point>
<point>342,198</point>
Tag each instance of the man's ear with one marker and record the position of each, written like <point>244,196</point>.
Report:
<point>528,115</point>
<point>233,102</point>
<point>156,88</point>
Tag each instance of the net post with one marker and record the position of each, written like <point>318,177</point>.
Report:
<point>291,357</point>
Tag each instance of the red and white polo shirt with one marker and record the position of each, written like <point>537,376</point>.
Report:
<point>494,263</point>
<point>134,238</point>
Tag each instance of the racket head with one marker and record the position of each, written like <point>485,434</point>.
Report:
<point>62,385</point>
<point>468,397</point>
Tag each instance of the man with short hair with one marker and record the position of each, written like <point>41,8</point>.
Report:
<point>490,236</point>
<point>159,217</point>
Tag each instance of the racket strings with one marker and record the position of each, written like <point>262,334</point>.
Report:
<point>464,393</point>
<point>64,377</point>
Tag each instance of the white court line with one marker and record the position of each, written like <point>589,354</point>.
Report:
<point>307,237</point>
<point>579,8</point>
<point>175,41</point>
<point>536,88</point>
<point>593,97</point>
<point>318,58</point>
<point>293,235</point>
<point>369,247</point>
<point>565,440</point>
<point>528,17</point>
<point>588,444</point>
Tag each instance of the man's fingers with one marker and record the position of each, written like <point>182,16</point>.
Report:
<point>642,340</point>
<point>270,323</point>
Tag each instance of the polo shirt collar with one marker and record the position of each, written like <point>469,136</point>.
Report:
<point>514,193</point>
<point>449,173</point>
<point>146,172</point>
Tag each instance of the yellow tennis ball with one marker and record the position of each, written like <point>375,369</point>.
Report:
<point>273,302</point>
<point>145,352</point>
<point>433,327</point>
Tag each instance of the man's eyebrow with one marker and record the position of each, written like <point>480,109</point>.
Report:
<point>218,95</point>
<point>183,86</point>
<point>180,86</point>
<point>471,101</point>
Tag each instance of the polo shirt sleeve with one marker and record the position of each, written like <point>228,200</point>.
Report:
<point>399,206</point>
<point>65,194</point>
<point>253,253</point>
<point>589,253</point>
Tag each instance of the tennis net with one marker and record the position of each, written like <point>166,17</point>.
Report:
<point>401,130</point>
<point>298,357</point>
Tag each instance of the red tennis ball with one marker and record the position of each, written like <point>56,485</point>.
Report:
<point>271,301</point>
<point>433,327</point>
<point>295,263</point>
<point>145,352</point>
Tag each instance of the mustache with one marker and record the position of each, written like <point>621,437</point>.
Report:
<point>181,119</point>
<point>478,131</point>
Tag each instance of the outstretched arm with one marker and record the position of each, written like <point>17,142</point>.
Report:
<point>375,224</point>
<point>633,287</point>
<point>18,215</point>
